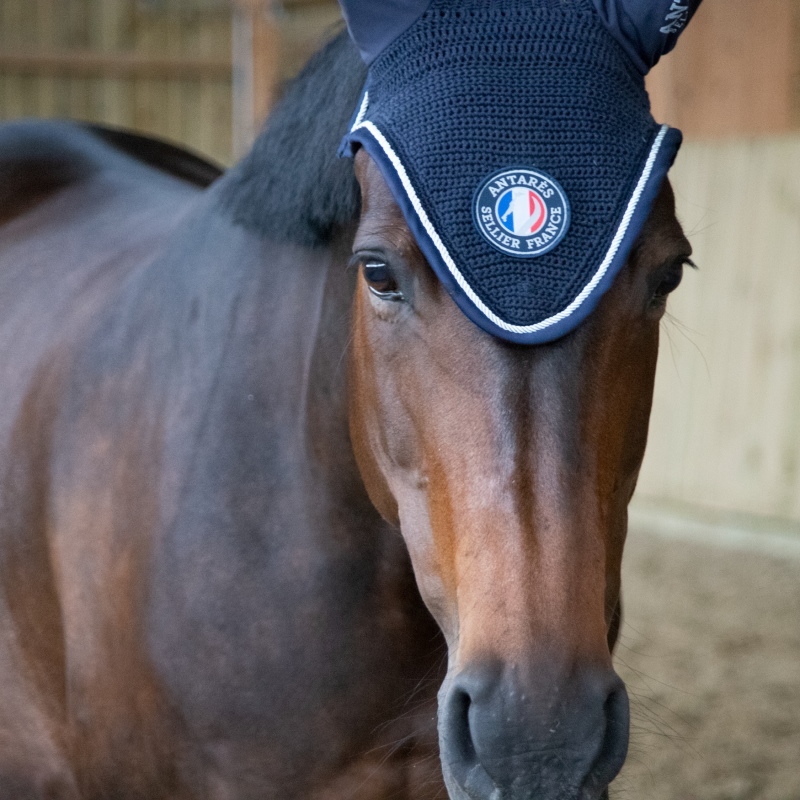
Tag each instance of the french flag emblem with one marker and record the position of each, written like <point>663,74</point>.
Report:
<point>521,211</point>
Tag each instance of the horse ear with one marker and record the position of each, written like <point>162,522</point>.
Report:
<point>646,29</point>
<point>375,24</point>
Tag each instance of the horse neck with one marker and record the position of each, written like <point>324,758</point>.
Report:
<point>253,329</point>
<point>302,311</point>
<point>291,302</point>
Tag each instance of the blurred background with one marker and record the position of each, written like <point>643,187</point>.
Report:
<point>203,73</point>
<point>711,647</point>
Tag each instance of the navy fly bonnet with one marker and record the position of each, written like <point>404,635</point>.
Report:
<point>517,139</point>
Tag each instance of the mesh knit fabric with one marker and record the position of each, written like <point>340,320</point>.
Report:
<point>475,87</point>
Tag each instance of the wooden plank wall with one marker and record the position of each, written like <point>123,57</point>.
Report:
<point>159,66</point>
<point>725,430</point>
<point>189,108</point>
<point>271,43</point>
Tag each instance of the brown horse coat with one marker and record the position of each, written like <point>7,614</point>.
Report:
<point>179,506</point>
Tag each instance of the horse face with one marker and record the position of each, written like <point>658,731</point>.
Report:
<point>509,470</point>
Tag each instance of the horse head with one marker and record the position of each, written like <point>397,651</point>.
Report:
<point>508,456</point>
<point>509,470</point>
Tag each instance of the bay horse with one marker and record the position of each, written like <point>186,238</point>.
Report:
<point>260,511</point>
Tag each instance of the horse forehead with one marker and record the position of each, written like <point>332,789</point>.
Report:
<point>381,216</point>
<point>378,200</point>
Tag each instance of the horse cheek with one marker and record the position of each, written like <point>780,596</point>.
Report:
<point>364,419</point>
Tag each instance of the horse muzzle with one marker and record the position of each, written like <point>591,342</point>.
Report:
<point>508,735</point>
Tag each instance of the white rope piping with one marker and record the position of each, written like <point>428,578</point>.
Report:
<point>451,265</point>
<point>362,112</point>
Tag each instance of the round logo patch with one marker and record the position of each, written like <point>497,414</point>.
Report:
<point>522,212</point>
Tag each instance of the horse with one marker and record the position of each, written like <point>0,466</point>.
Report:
<point>271,505</point>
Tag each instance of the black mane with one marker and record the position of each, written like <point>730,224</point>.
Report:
<point>292,186</point>
<point>175,160</point>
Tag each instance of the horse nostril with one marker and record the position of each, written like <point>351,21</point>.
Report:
<point>615,744</point>
<point>458,750</point>
<point>456,727</point>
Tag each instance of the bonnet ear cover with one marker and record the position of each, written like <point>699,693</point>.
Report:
<point>375,24</point>
<point>646,29</point>
<point>517,139</point>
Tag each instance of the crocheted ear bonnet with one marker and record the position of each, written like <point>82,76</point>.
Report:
<point>517,139</point>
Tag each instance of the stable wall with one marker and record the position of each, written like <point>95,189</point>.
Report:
<point>159,67</point>
<point>725,429</point>
<point>178,69</point>
<point>735,71</point>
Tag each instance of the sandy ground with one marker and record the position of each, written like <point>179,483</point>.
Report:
<point>710,652</point>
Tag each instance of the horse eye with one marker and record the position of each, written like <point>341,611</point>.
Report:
<point>669,283</point>
<point>381,281</point>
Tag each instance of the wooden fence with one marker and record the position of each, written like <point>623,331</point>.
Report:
<point>165,67</point>
<point>162,68</point>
